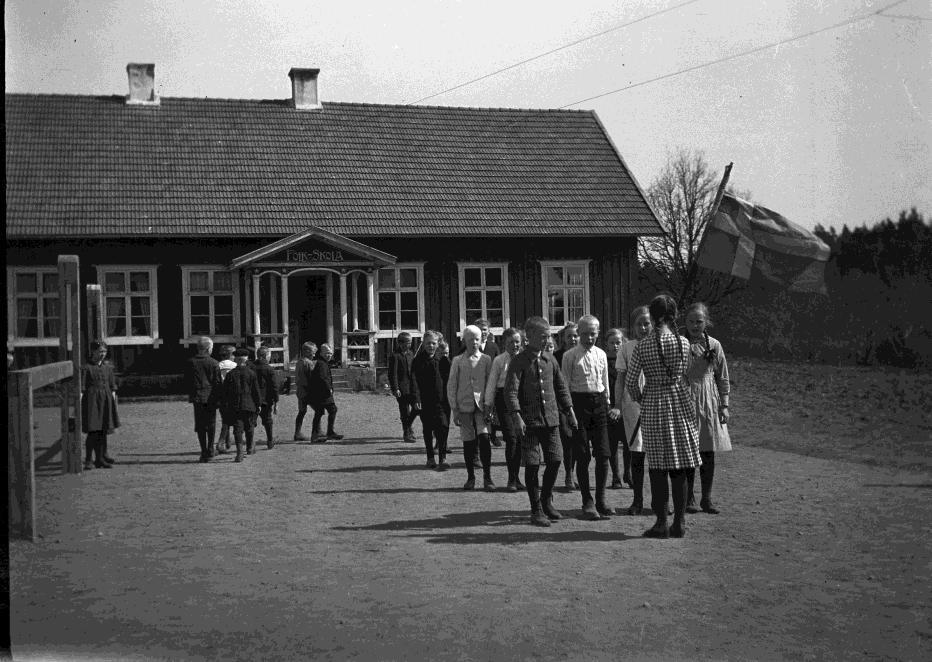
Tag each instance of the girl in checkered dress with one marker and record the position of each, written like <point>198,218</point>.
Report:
<point>668,415</point>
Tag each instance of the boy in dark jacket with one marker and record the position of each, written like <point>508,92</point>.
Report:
<point>268,392</point>
<point>535,395</point>
<point>240,401</point>
<point>320,395</point>
<point>402,384</point>
<point>202,377</point>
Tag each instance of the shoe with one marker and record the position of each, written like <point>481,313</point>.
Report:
<point>250,451</point>
<point>707,507</point>
<point>488,485</point>
<point>511,487</point>
<point>269,444</point>
<point>636,509</point>
<point>470,484</point>
<point>589,512</point>
<point>678,530</point>
<point>658,530</point>
<point>88,465</point>
<point>109,460</point>
<point>298,437</point>
<point>691,505</point>
<point>605,511</point>
<point>319,439</point>
<point>431,463</point>
<point>616,485</point>
<point>519,484</point>
<point>238,458</point>
<point>334,435</point>
<point>221,450</point>
<point>539,519</point>
<point>569,484</point>
<point>100,464</point>
<point>443,466</point>
<point>552,513</point>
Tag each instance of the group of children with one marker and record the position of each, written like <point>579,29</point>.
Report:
<point>554,407</point>
<point>570,406</point>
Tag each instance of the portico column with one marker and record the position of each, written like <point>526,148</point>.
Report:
<point>286,357</point>
<point>344,350</point>
<point>370,309</point>
<point>330,309</point>
<point>256,323</point>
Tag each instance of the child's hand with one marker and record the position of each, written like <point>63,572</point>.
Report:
<point>614,413</point>
<point>274,407</point>
<point>723,414</point>
<point>456,418</point>
<point>522,428</point>
<point>571,419</point>
<point>416,406</point>
<point>397,393</point>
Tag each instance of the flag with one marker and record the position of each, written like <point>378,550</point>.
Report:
<point>743,238</point>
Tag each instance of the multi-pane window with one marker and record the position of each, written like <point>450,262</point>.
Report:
<point>210,302</point>
<point>484,294</point>
<point>399,299</point>
<point>130,312</point>
<point>565,290</point>
<point>36,313</point>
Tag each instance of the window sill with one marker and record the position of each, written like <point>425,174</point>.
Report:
<point>116,341</point>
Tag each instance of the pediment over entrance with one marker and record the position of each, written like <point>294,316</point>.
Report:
<point>314,247</point>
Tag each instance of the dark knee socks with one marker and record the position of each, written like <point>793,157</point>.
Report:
<point>707,473</point>
<point>659,493</point>
<point>470,446</point>
<point>485,454</point>
<point>533,488</point>
<point>678,488</point>
<point>550,477</point>
<point>637,477</point>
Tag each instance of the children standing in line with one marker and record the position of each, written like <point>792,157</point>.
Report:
<point>710,387</point>
<point>400,381</point>
<point>495,399</point>
<point>225,365</point>
<point>302,370</point>
<point>629,409</point>
<point>586,370</point>
<point>614,339</point>
<point>320,396</point>
<point>99,415</point>
<point>268,392</point>
<point>202,378</point>
<point>569,338</point>
<point>431,371</point>
<point>535,396</point>
<point>469,375</point>
<point>240,402</point>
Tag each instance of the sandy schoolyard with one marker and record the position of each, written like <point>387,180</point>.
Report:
<point>352,550</point>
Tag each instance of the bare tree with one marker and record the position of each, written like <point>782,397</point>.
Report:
<point>683,195</point>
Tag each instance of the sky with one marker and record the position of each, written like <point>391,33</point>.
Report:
<point>829,128</point>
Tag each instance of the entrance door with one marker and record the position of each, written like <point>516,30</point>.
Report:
<point>307,311</point>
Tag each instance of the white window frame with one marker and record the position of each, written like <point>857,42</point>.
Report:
<point>506,314</point>
<point>546,264</point>
<point>151,269</point>
<point>419,331</point>
<point>189,338</point>
<point>12,339</point>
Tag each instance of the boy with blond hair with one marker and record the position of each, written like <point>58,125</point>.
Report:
<point>469,375</point>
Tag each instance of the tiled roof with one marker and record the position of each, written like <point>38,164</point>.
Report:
<point>94,166</point>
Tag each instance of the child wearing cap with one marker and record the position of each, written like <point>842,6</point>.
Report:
<point>240,401</point>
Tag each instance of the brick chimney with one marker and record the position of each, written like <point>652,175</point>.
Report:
<point>304,88</point>
<point>141,84</point>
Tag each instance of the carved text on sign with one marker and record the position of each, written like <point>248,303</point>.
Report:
<point>315,255</point>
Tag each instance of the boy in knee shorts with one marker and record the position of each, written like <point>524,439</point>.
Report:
<point>535,394</point>
<point>469,375</point>
<point>320,395</point>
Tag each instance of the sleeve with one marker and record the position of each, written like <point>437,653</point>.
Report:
<point>605,379</point>
<point>114,382</point>
<point>451,382</point>
<point>254,388</point>
<point>621,367</point>
<point>632,372</point>
<point>274,385</point>
<point>566,364</point>
<point>393,371</point>
<point>721,375</point>
<point>561,390</point>
<point>415,389</point>
<point>492,384</point>
<point>513,387</point>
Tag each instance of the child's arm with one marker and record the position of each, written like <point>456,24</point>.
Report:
<point>451,389</point>
<point>492,385</point>
<point>564,401</point>
<point>723,383</point>
<point>631,375</point>
<point>512,396</point>
<point>415,389</point>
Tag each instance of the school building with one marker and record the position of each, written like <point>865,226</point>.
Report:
<point>286,220</point>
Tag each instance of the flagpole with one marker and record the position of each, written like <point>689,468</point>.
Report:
<point>712,213</point>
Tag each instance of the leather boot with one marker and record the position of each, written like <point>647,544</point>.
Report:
<point>626,461</point>
<point>297,433</point>
<point>99,461</point>
<point>678,484</point>
<point>538,518</point>
<point>239,452</point>
<point>601,478</point>
<point>659,493</point>
<point>690,491</point>
<point>269,440</point>
<point>546,504</point>
<point>706,474</point>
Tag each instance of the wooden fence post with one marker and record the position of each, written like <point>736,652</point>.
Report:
<point>70,296</point>
<point>95,311</point>
<point>20,455</point>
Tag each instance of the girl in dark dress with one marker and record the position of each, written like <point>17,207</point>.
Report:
<point>98,406</point>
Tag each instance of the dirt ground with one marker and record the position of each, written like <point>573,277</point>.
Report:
<point>353,550</point>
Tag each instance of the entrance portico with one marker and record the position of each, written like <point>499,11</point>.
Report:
<point>297,288</point>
